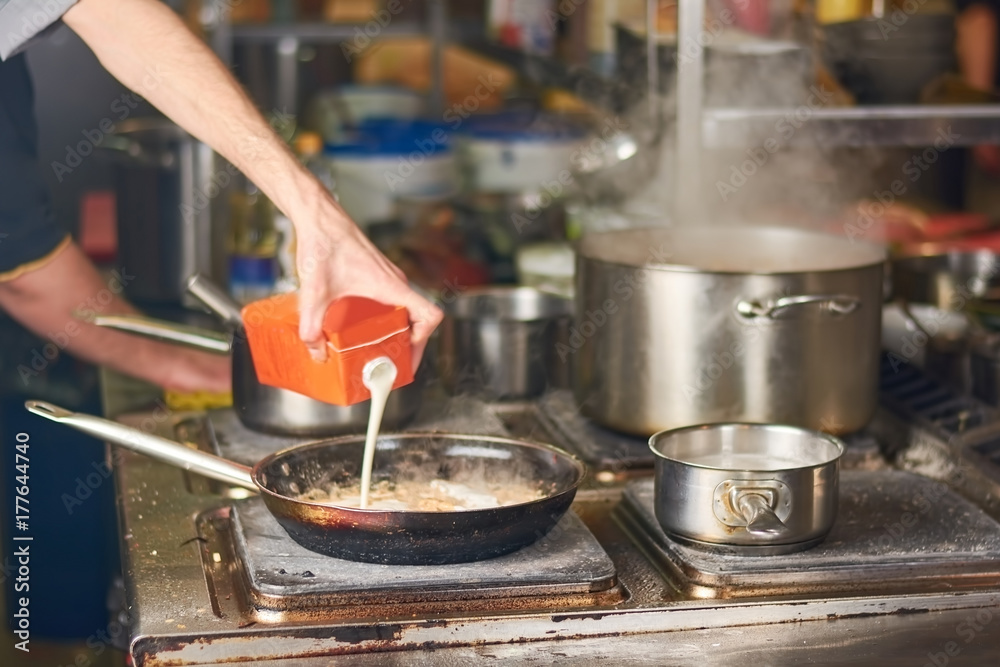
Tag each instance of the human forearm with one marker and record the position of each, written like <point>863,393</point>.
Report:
<point>149,49</point>
<point>47,299</point>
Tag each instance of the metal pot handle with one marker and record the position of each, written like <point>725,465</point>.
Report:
<point>215,299</point>
<point>200,339</point>
<point>132,151</point>
<point>761,519</point>
<point>151,445</point>
<point>835,304</point>
<point>759,505</point>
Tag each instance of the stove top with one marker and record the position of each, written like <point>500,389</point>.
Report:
<point>894,531</point>
<point>281,575</point>
<point>604,450</point>
<point>212,578</point>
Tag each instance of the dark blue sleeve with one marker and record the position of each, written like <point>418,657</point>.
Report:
<point>962,5</point>
<point>28,229</point>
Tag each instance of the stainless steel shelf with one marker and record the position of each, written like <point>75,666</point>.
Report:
<point>916,126</point>
<point>322,32</point>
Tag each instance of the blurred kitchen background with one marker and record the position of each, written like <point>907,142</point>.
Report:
<point>474,140</point>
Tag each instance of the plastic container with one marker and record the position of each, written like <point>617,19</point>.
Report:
<point>358,331</point>
<point>333,112</point>
<point>515,152</point>
<point>387,160</point>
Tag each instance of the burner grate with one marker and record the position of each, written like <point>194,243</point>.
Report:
<point>917,397</point>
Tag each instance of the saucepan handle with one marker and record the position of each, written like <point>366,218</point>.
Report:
<point>151,445</point>
<point>761,519</point>
<point>835,304</point>
<point>755,504</point>
<point>215,299</point>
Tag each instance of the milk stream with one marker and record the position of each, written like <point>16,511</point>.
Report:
<point>378,377</point>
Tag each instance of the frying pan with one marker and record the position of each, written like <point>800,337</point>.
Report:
<point>258,406</point>
<point>394,537</point>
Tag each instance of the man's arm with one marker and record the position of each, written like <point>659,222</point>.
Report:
<point>45,299</point>
<point>149,49</point>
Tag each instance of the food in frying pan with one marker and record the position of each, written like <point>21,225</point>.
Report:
<point>420,496</point>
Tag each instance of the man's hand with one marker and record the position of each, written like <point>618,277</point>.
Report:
<point>331,266</point>
<point>149,49</point>
<point>48,298</point>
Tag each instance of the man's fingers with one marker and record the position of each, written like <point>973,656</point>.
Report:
<point>311,312</point>
<point>418,353</point>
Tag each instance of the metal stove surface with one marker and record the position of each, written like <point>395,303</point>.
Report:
<point>193,604</point>
<point>614,456</point>
<point>894,531</point>
<point>602,449</point>
<point>228,437</point>
<point>280,574</point>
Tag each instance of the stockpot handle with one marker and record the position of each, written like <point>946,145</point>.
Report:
<point>836,304</point>
<point>171,332</point>
<point>151,445</point>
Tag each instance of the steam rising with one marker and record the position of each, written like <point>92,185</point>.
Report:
<point>774,173</point>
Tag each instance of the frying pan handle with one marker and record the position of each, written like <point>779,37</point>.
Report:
<point>151,445</point>
<point>835,304</point>
<point>201,339</point>
<point>761,519</point>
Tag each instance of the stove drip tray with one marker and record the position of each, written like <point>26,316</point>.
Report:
<point>567,565</point>
<point>895,532</point>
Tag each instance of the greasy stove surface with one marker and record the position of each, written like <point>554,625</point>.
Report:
<point>281,574</point>
<point>602,449</point>
<point>894,531</point>
<point>195,600</point>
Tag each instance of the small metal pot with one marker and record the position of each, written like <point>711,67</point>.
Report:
<point>501,341</point>
<point>749,489</point>
<point>947,279</point>
<point>259,406</point>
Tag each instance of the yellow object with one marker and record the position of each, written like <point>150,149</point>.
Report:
<point>837,11</point>
<point>197,400</point>
<point>563,101</point>
<point>308,144</point>
<point>471,82</point>
<point>349,11</point>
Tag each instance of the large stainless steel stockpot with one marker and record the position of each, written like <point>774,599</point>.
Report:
<point>694,325</point>
<point>751,489</point>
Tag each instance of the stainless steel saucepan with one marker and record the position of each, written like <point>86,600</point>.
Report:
<point>749,489</point>
<point>501,341</point>
<point>261,407</point>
